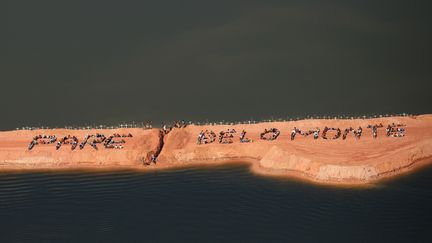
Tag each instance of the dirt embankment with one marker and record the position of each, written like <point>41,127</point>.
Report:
<point>15,155</point>
<point>343,161</point>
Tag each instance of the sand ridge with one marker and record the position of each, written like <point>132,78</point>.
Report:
<point>349,161</point>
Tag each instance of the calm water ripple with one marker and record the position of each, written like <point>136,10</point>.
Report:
<point>209,204</point>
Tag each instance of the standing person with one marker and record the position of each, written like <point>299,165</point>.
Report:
<point>293,133</point>
<point>242,136</point>
<point>200,137</point>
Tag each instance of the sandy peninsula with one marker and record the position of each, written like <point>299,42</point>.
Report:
<point>334,161</point>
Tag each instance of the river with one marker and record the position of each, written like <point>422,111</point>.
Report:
<point>223,203</point>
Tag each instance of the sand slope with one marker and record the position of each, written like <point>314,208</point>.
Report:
<point>349,161</point>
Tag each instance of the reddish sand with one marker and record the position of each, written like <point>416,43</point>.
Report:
<point>349,161</point>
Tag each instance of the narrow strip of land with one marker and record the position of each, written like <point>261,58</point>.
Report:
<point>353,160</point>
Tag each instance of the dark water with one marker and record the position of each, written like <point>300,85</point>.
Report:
<point>103,62</point>
<point>209,204</point>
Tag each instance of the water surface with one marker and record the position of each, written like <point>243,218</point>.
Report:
<point>209,204</point>
<point>87,62</point>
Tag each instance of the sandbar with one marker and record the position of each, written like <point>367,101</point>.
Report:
<point>347,161</point>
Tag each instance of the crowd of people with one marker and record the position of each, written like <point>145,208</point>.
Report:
<point>393,130</point>
<point>108,142</point>
<point>316,132</point>
<point>176,124</point>
<point>270,134</point>
<point>206,136</point>
<point>41,139</point>
<point>147,125</point>
<point>67,140</point>
<point>243,138</point>
<point>93,140</point>
<point>144,125</point>
<point>227,136</point>
<point>152,155</point>
<point>375,129</point>
<point>326,129</point>
<point>166,129</point>
<point>357,133</point>
<point>180,124</point>
<point>116,144</point>
<point>296,131</point>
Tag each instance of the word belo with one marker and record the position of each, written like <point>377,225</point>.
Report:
<point>226,137</point>
<point>110,142</point>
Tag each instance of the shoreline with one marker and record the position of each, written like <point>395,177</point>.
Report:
<point>251,165</point>
<point>349,162</point>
